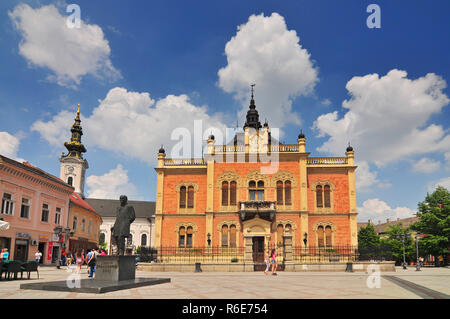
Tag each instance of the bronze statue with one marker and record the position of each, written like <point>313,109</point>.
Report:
<point>121,229</point>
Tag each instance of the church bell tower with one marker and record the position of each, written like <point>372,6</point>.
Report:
<point>73,166</point>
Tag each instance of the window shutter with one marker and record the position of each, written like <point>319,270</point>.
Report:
<point>224,193</point>
<point>233,193</point>
<point>191,197</point>
<point>287,193</point>
<point>326,195</point>
<point>319,196</point>
<point>183,197</point>
<point>279,193</point>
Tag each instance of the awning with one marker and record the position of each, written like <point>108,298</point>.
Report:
<point>4,225</point>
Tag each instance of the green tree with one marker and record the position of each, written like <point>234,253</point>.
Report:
<point>368,237</point>
<point>394,240</point>
<point>434,222</point>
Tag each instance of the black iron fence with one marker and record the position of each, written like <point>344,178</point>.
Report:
<point>223,255</point>
<point>180,255</point>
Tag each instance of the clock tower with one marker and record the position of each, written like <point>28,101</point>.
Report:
<point>73,165</point>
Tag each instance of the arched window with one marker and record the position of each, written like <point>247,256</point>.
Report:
<point>328,236</point>
<point>225,193</point>
<point>183,197</point>
<point>279,193</point>
<point>252,190</point>
<point>189,233</point>
<point>319,196</point>
<point>190,197</point>
<point>288,227</point>
<point>233,193</point>
<point>182,237</point>
<point>320,236</point>
<point>256,193</point>
<point>83,225</point>
<point>70,181</point>
<point>130,240</point>
<point>224,236</point>
<point>287,193</point>
<point>75,222</point>
<point>233,236</point>
<point>280,232</point>
<point>326,196</point>
<point>144,240</point>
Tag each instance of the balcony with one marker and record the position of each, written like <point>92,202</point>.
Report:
<point>262,209</point>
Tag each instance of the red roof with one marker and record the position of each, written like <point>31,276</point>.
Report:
<point>77,200</point>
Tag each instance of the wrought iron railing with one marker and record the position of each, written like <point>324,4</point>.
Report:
<point>300,254</point>
<point>181,255</point>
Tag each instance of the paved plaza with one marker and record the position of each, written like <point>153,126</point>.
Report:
<point>430,283</point>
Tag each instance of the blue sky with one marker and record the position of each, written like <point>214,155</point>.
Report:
<point>162,59</point>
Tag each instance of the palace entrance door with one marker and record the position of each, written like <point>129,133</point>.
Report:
<point>258,252</point>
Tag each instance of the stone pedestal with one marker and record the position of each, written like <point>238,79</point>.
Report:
<point>115,268</point>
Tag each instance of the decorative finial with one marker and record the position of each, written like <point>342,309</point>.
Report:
<point>301,135</point>
<point>349,148</point>
<point>161,150</point>
<point>252,85</point>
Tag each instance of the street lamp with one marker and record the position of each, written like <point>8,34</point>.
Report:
<point>403,237</point>
<point>58,231</point>
<point>417,252</point>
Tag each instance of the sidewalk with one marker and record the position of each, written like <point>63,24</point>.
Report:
<point>254,285</point>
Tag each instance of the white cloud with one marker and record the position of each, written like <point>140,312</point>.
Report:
<point>266,53</point>
<point>325,102</point>
<point>386,118</point>
<point>378,210</point>
<point>426,165</point>
<point>56,131</point>
<point>444,182</point>
<point>365,178</point>
<point>70,53</point>
<point>9,146</point>
<point>133,124</point>
<point>111,185</point>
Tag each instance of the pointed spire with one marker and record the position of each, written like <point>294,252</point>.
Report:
<point>252,114</point>
<point>75,147</point>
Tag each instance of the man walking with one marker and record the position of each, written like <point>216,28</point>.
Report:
<point>38,256</point>
<point>91,263</point>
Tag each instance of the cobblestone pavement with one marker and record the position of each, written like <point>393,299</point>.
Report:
<point>287,285</point>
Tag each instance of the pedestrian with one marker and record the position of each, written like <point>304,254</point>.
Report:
<point>5,254</point>
<point>63,257</point>
<point>274,262</point>
<point>38,256</point>
<point>103,253</point>
<point>79,258</point>
<point>69,258</point>
<point>91,259</point>
<point>267,261</point>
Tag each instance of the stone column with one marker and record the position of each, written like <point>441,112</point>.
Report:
<point>288,259</point>
<point>248,253</point>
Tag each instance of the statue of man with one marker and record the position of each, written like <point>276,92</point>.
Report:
<point>124,217</point>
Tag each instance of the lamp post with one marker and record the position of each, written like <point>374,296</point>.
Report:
<point>403,238</point>
<point>417,253</point>
<point>58,231</point>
